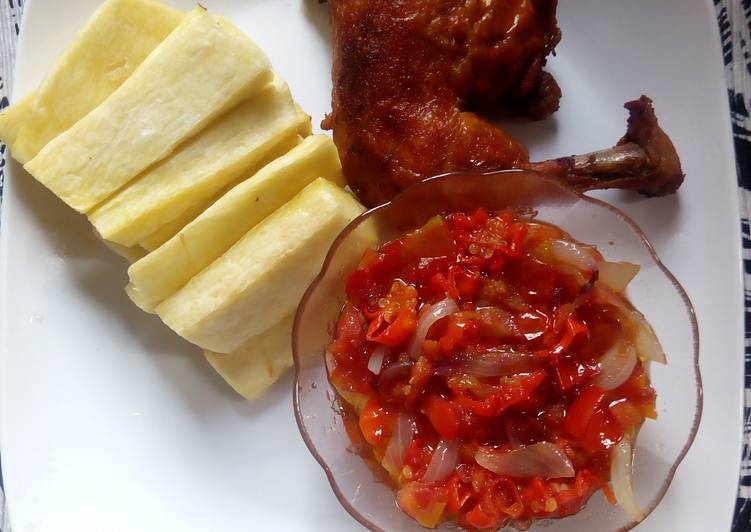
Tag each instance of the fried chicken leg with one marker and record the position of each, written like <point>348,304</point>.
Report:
<point>405,72</point>
<point>408,72</point>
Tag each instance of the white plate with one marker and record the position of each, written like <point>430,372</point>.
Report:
<point>110,422</point>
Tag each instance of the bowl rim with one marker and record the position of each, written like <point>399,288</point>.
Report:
<point>475,173</point>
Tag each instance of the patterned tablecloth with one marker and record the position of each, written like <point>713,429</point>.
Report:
<point>734,20</point>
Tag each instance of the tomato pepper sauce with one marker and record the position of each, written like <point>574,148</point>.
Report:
<point>475,337</point>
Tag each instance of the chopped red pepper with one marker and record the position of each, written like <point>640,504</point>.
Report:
<point>573,328</point>
<point>572,372</point>
<point>374,270</point>
<point>571,500</point>
<point>582,409</point>
<point>443,286</point>
<point>517,233</point>
<point>476,518</point>
<point>479,217</point>
<point>505,395</point>
<point>393,333</point>
<point>466,281</point>
<point>397,319</point>
<point>453,338</point>
<point>374,422</point>
<point>458,494</point>
<point>536,495</point>
<point>444,415</point>
<point>507,498</point>
<point>602,433</point>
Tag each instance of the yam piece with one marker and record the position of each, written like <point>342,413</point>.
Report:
<point>203,68</point>
<point>165,270</point>
<point>261,279</point>
<point>201,168</point>
<point>105,52</point>
<point>258,363</point>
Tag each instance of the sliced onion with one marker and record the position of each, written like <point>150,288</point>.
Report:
<point>357,400</point>
<point>494,363</point>
<point>443,463</point>
<point>617,275</point>
<point>396,371</point>
<point>428,316</point>
<point>543,459</point>
<point>616,365</point>
<point>511,433</point>
<point>576,255</point>
<point>376,359</point>
<point>621,479</point>
<point>400,442</point>
<point>647,345</point>
<point>574,272</point>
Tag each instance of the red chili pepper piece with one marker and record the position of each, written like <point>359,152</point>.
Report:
<point>374,420</point>
<point>444,415</point>
<point>603,432</point>
<point>508,394</point>
<point>573,328</point>
<point>458,494</point>
<point>572,372</point>
<point>582,409</point>
<point>465,281</point>
<point>516,234</point>
<point>393,333</point>
<point>374,269</point>
<point>479,217</point>
<point>476,518</point>
<point>571,500</point>
<point>441,285</point>
<point>396,319</point>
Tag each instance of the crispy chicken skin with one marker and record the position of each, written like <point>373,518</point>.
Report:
<point>406,73</point>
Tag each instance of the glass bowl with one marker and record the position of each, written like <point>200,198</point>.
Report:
<point>325,422</point>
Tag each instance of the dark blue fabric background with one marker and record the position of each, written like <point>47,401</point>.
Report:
<point>734,19</point>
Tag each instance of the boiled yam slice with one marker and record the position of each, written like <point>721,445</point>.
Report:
<point>202,167</point>
<point>131,254</point>
<point>170,229</point>
<point>261,279</point>
<point>203,68</point>
<point>259,362</point>
<point>140,302</point>
<point>112,44</point>
<point>306,125</point>
<point>165,270</point>
<point>13,117</point>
